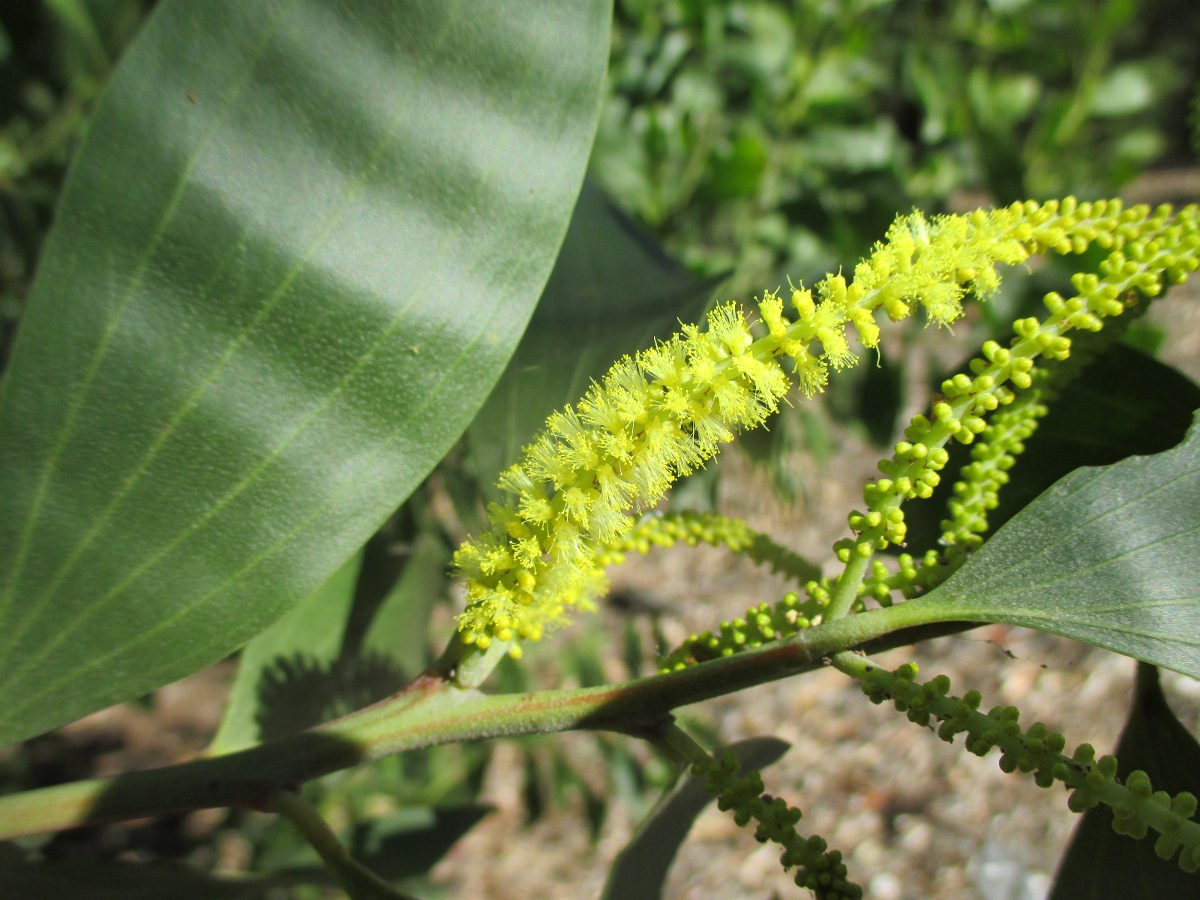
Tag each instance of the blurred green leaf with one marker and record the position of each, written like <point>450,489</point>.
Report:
<point>737,169</point>
<point>1124,90</point>
<point>1012,99</point>
<point>294,254</point>
<point>1101,863</point>
<point>402,844</point>
<point>854,149</point>
<point>85,880</point>
<point>981,98</point>
<point>81,30</point>
<point>410,841</point>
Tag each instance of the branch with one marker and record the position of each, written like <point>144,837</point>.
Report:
<point>432,711</point>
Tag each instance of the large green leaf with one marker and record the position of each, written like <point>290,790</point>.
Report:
<point>1107,555</point>
<point>295,252</point>
<point>308,667</point>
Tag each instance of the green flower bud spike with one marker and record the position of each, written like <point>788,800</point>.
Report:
<point>1036,751</point>
<point>759,624</point>
<point>1145,248</point>
<point>666,529</point>
<point>818,868</point>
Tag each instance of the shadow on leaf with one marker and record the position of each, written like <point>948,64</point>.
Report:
<point>298,692</point>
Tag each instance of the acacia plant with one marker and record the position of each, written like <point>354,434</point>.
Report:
<point>276,295</point>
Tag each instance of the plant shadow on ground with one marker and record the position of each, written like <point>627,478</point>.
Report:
<point>297,692</point>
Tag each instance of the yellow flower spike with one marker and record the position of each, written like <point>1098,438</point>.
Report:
<point>663,413</point>
<point>833,291</point>
<point>943,303</point>
<point>896,309</point>
<point>727,325</point>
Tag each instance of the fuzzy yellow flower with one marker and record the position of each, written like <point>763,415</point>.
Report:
<point>659,415</point>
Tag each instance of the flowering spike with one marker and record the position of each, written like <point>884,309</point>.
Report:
<point>819,869</point>
<point>1037,751</point>
<point>663,413</point>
